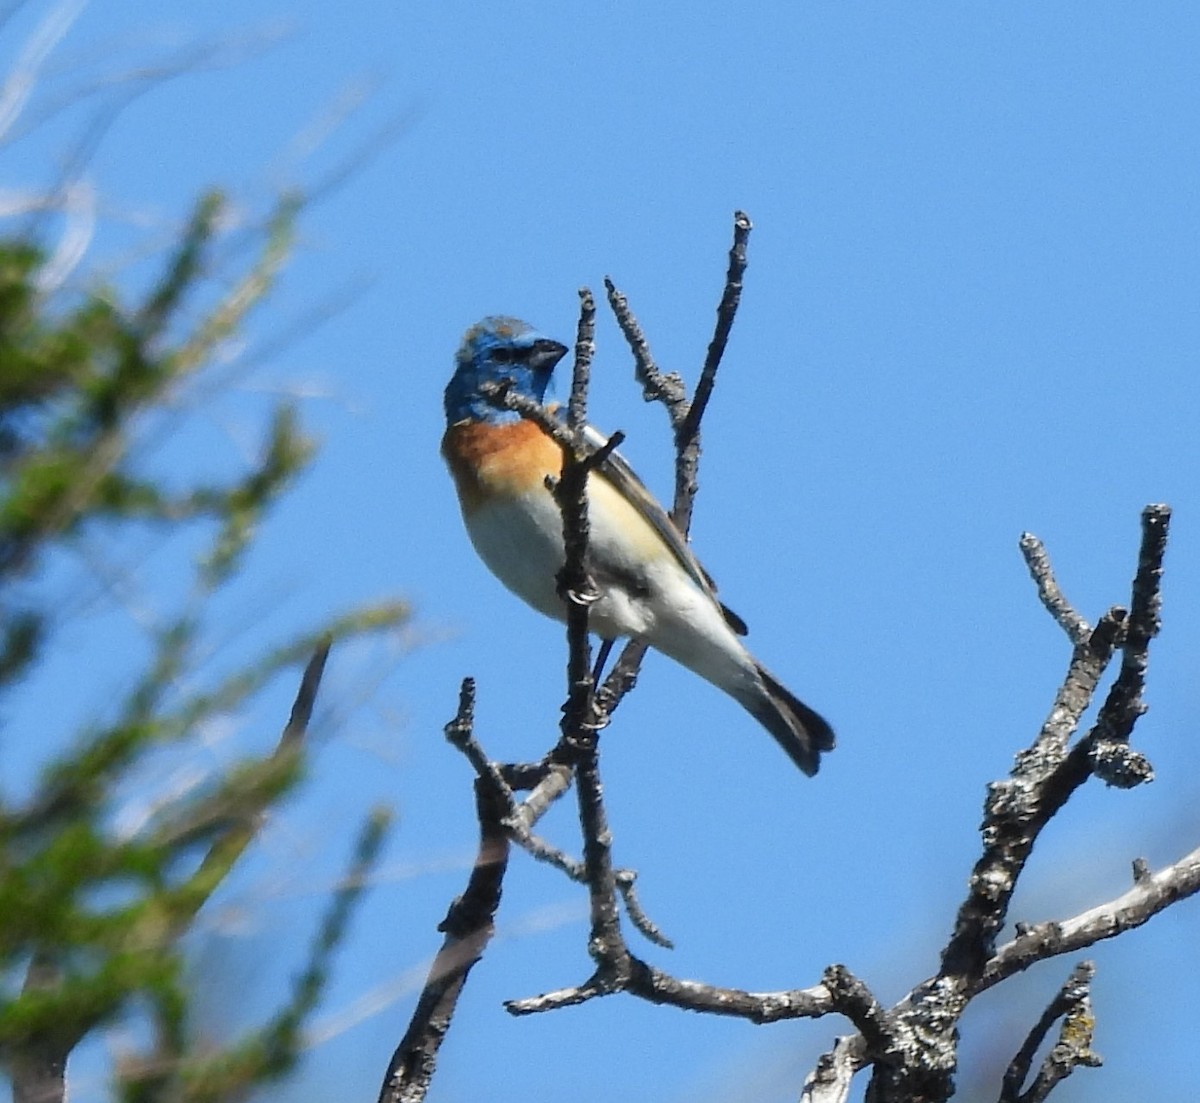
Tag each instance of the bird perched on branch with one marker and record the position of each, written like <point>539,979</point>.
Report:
<point>651,587</point>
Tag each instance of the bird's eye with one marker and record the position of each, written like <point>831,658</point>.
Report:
<point>510,354</point>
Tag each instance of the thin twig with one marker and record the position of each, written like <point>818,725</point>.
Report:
<point>625,879</point>
<point>1110,756</point>
<point>553,785</point>
<point>460,733</point>
<point>468,928</point>
<point>519,816</point>
<point>585,348</point>
<point>655,986</point>
<point>505,397</point>
<point>306,696</point>
<point>657,386</point>
<point>1073,1006</point>
<point>731,297</point>
<point>687,432</point>
<point>1038,562</point>
<point>1150,894</point>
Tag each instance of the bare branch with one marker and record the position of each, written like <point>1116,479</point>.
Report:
<point>468,927</point>
<point>554,784</point>
<point>558,999</point>
<point>1046,775</point>
<point>758,1007</point>
<point>731,298</point>
<point>669,390</point>
<point>306,696</point>
<point>1017,808</point>
<point>1052,597</point>
<point>625,879</point>
<point>1089,661</point>
<point>915,1054</point>
<point>854,999</point>
<point>655,986</point>
<point>582,720</point>
<point>503,396</point>
<point>1150,894</point>
<point>687,432</point>
<point>666,388</point>
<point>606,944</point>
<point>1124,703</point>
<point>919,1054</point>
<point>519,818</point>
<point>829,1081</point>
<point>585,348</point>
<point>623,676</point>
<point>460,733</point>
<point>1073,1005</point>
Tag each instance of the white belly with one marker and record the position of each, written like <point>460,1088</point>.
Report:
<point>520,540</point>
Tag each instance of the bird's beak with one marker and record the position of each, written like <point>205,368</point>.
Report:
<point>546,354</point>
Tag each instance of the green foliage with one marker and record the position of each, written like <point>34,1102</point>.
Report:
<point>91,920</point>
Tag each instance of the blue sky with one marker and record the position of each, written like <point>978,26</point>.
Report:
<point>971,310</point>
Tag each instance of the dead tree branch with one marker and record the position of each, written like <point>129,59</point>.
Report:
<point>468,927</point>
<point>1073,1005</point>
<point>911,1047</point>
<point>1151,894</point>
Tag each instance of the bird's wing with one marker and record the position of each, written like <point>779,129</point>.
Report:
<point>624,480</point>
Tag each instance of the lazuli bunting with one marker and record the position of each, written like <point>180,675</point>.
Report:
<point>651,586</point>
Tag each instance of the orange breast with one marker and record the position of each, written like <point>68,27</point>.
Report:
<point>498,461</point>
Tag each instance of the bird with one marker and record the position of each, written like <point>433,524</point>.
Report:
<point>651,587</point>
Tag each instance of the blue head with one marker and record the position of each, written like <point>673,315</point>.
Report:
<point>494,349</point>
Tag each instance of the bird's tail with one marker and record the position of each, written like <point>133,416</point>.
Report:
<point>800,731</point>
